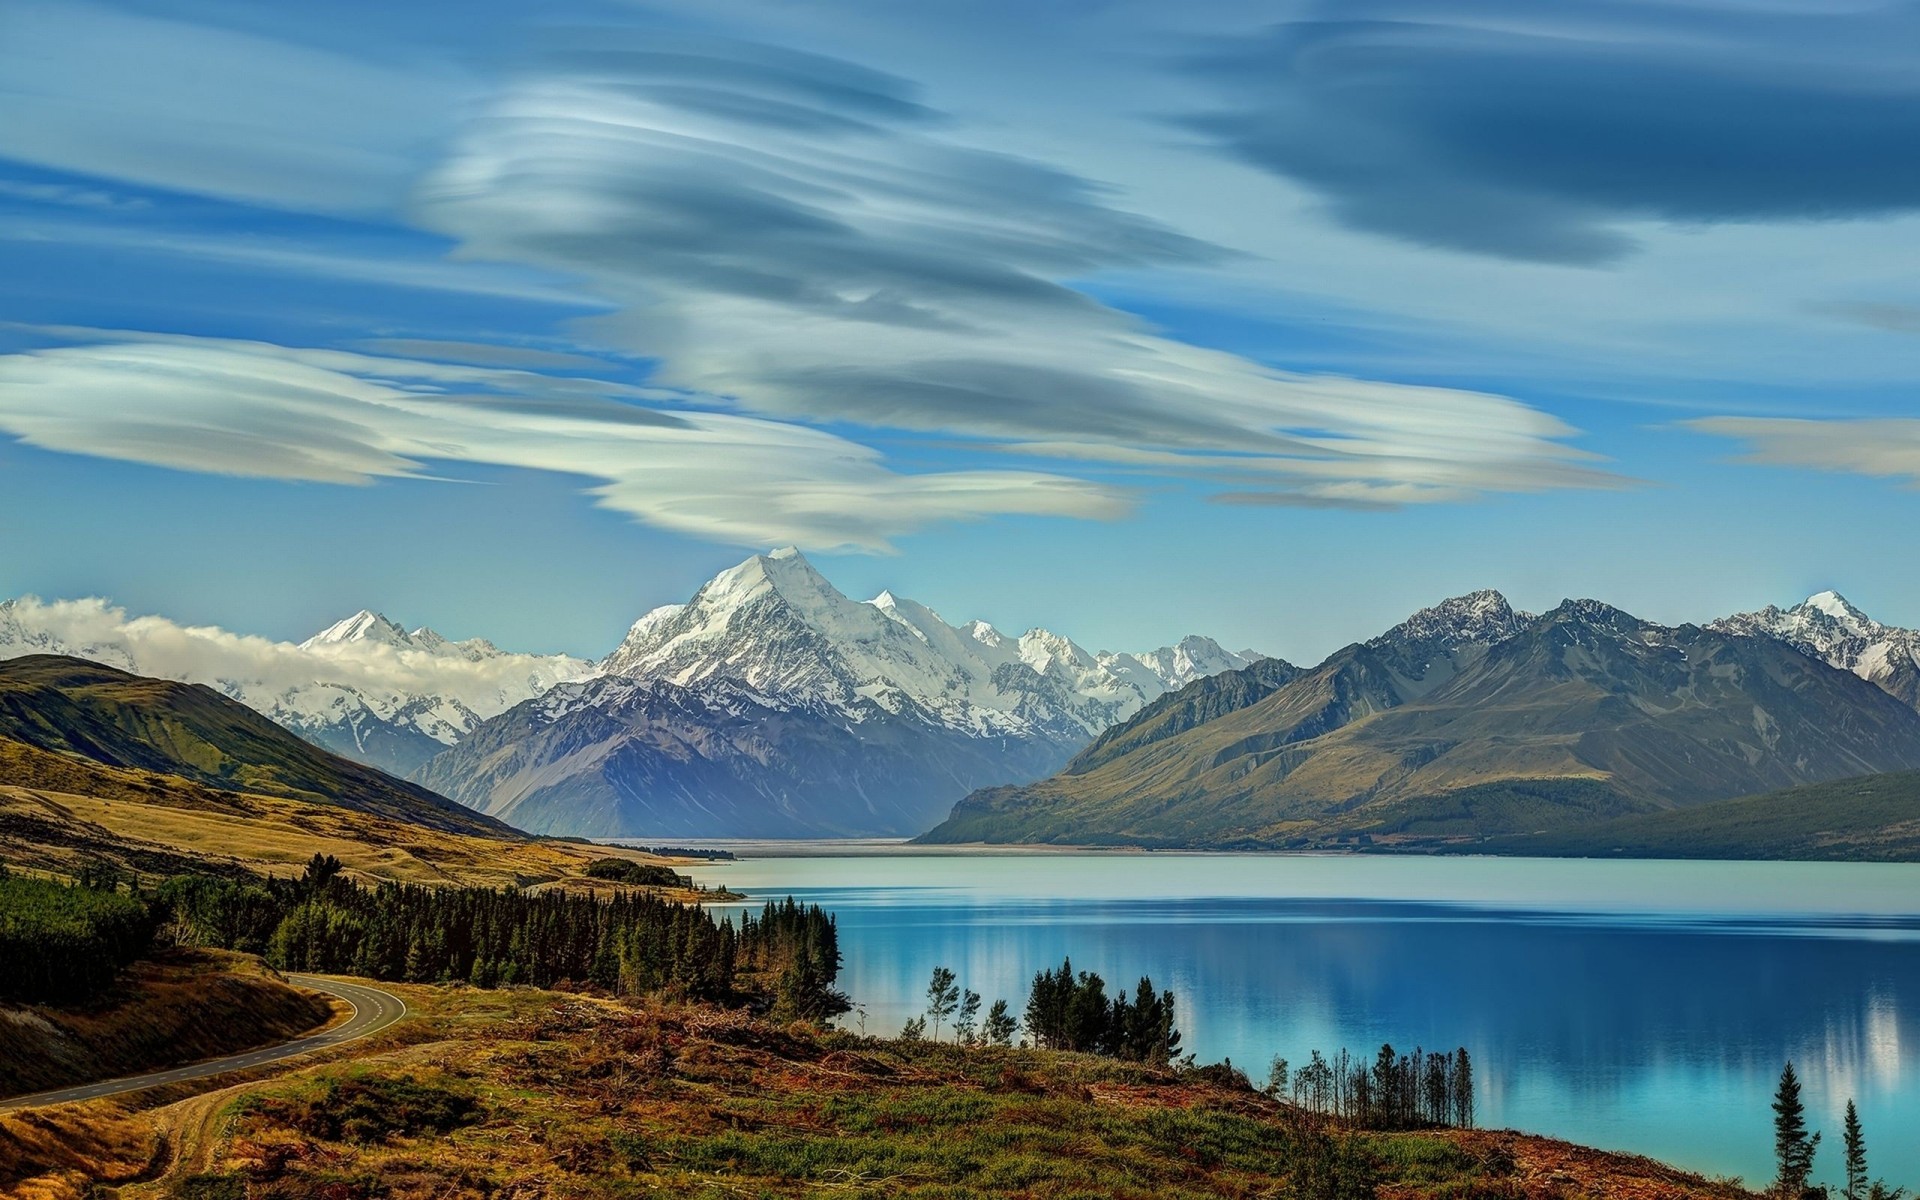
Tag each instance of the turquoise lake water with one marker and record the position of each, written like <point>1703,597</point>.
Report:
<point>1643,1006</point>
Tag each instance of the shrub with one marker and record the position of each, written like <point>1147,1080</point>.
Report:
<point>620,870</point>
<point>376,1109</point>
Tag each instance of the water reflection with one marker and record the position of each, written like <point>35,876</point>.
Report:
<point>1657,1029</point>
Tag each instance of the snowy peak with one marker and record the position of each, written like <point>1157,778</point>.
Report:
<point>1194,657</point>
<point>784,573</point>
<point>774,625</point>
<point>363,687</point>
<point>363,626</point>
<point>1482,617</point>
<point>1828,627</point>
<point>1836,606</point>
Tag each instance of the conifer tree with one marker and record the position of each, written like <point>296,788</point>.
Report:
<point>1855,1146</point>
<point>1462,1089</point>
<point>943,996</point>
<point>966,1027</point>
<point>1000,1025</point>
<point>1793,1147</point>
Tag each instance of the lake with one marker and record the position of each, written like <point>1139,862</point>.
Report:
<point>1642,1006</point>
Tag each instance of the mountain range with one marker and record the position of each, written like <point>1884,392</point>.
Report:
<point>365,687</point>
<point>1473,719</point>
<point>772,705</point>
<point>769,705</point>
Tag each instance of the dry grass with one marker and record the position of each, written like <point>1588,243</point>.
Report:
<point>522,1093</point>
<point>57,812</point>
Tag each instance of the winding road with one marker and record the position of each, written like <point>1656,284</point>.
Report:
<point>373,1010</point>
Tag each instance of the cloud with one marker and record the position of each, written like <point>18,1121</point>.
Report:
<point>67,195</point>
<point>484,354</point>
<point>1885,448</point>
<point>803,237</point>
<point>326,416</point>
<point>1528,131</point>
<point>1888,318</point>
<point>272,675</point>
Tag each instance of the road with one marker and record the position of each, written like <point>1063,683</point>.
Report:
<point>373,1010</point>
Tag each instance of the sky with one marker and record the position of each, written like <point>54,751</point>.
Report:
<point>1267,321</point>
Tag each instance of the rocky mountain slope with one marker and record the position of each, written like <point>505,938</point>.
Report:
<point>772,705</point>
<point>1830,629</point>
<point>99,715</point>
<point>365,687</point>
<point>1469,718</point>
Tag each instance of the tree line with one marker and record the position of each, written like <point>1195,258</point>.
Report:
<point>632,943</point>
<point>71,941</point>
<point>1065,1011</point>
<point>64,943</point>
<point>1392,1091</point>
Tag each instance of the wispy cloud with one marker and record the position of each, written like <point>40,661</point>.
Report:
<point>257,410</point>
<point>1532,131</point>
<point>1887,448</point>
<point>803,236</point>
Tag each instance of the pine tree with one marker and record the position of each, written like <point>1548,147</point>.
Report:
<point>966,1027</point>
<point>1793,1147</point>
<point>1000,1025</point>
<point>1855,1146</point>
<point>1462,1089</point>
<point>943,996</point>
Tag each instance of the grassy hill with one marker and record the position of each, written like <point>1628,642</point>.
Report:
<point>58,812</point>
<point>1874,818</point>
<point>95,713</point>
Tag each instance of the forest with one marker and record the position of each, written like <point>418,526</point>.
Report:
<point>62,944</point>
<point>74,939</point>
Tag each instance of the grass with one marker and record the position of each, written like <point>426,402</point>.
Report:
<point>531,1093</point>
<point>523,1093</point>
<point>58,812</point>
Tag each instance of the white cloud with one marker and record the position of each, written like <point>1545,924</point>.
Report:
<point>253,409</point>
<point>1885,448</point>
<point>282,679</point>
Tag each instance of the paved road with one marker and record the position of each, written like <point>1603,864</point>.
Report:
<point>373,1010</point>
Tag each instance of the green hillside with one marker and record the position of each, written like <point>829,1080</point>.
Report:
<point>74,707</point>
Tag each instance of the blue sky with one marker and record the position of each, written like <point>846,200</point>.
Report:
<point>1266,321</point>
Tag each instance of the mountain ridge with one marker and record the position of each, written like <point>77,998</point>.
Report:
<point>1596,711</point>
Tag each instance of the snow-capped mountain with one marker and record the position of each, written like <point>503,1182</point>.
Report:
<point>774,625</point>
<point>365,687</point>
<point>1832,630</point>
<point>773,705</point>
